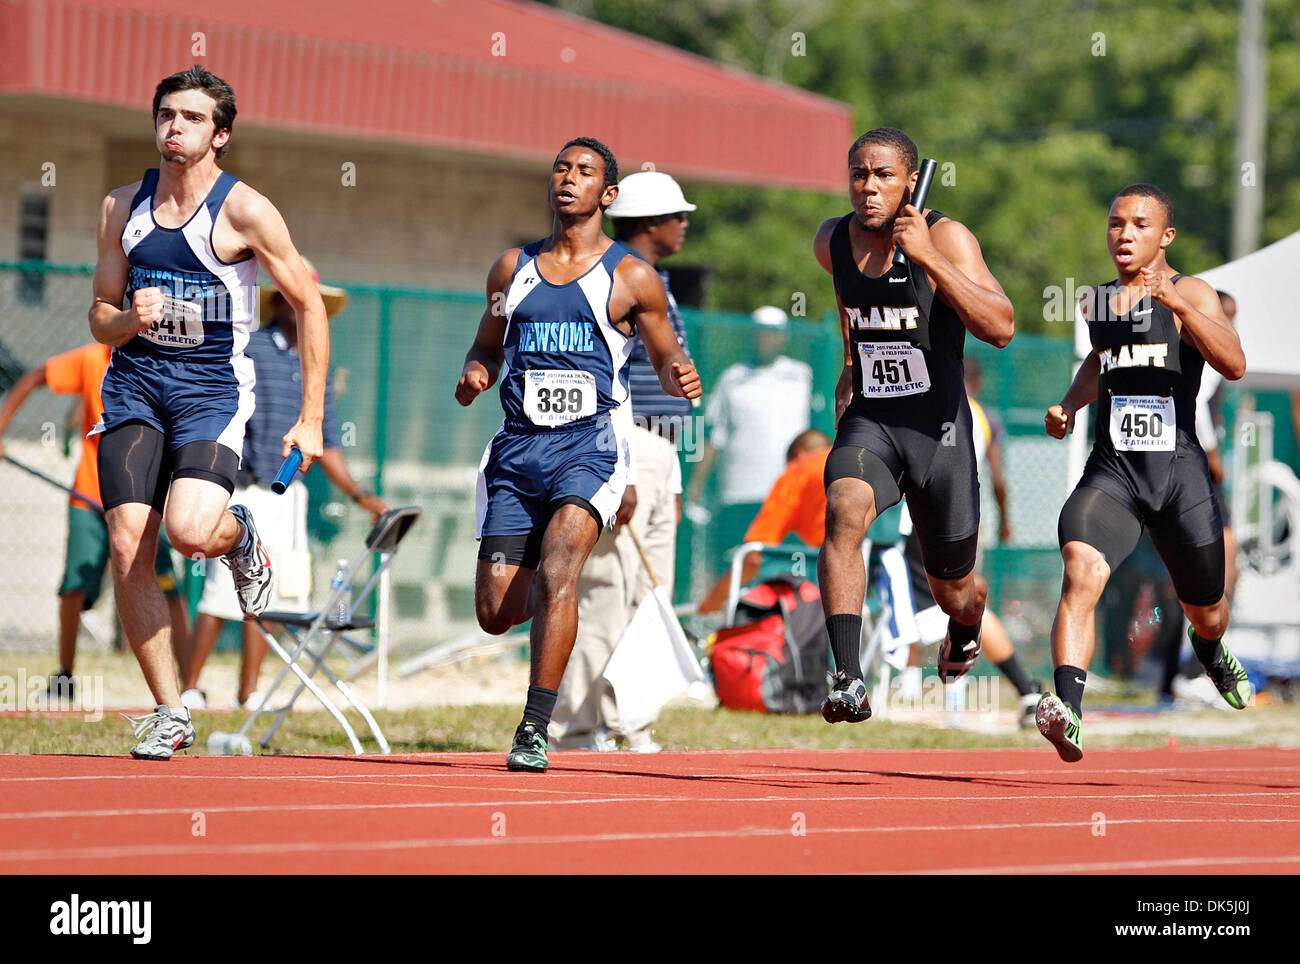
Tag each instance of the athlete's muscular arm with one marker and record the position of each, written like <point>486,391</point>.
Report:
<point>1201,321</point>
<point>1059,420</point>
<point>1083,391</point>
<point>109,324</point>
<point>258,227</point>
<point>844,386</point>
<point>648,311</point>
<point>484,358</point>
<point>951,257</point>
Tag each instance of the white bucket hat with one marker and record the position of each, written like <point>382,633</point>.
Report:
<point>647,194</point>
<point>769,316</point>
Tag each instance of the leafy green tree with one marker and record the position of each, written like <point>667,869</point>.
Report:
<point>1040,111</point>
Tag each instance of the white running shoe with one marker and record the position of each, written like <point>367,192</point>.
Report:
<point>194,700</point>
<point>161,733</point>
<point>250,568</point>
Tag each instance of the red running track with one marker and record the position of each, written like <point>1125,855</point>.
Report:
<point>760,811</point>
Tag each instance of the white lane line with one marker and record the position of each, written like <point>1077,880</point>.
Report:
<point>436,843</point>
<point>290,807</point>
<point>557,773</point>
<point>1109,866</point>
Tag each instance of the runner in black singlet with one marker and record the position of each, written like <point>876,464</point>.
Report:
<point>1152,331</point>
<point>904,423</point>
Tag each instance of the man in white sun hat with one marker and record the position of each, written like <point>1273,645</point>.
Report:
<point>283,518</point>
<point>753,415</point>
<point>650,217</point>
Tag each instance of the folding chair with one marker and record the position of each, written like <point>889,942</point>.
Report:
<point>766,552</point>
<point>896,625</point>
<point>315,634</point>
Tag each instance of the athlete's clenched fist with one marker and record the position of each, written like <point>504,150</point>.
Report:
<point>687,379</point>
<point>1059,421</point>
<point>147,306</point>
<point>473,380</point>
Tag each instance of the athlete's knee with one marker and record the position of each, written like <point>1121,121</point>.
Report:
<point>557,580</point>
<point>493,617</point>
<point>501,597</point>
<point>190,536</point>
<point>848,508</point>
<point>1086,571</point>
<point>132,547</point>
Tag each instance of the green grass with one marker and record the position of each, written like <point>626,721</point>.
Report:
<point>489,728</point>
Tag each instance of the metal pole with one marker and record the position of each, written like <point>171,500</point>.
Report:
<point>1252,118</point>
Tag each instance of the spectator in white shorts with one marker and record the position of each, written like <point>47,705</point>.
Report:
<point>282,519</point>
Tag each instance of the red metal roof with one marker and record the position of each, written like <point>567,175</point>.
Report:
<point>485,76</point>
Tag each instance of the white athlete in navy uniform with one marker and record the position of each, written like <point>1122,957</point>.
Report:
<point>174,287</point>
<point>187,375</point>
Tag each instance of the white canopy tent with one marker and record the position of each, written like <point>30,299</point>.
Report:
<point>1268,311</point>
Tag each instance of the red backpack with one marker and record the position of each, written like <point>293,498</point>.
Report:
<point>778,660</point>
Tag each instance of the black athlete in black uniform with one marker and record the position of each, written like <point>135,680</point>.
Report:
<point>904,426</point>
<point>1152,330</point>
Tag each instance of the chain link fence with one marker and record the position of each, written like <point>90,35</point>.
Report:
<point>395,355</point>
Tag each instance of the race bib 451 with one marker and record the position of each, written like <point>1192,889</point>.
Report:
<point>890,369</point>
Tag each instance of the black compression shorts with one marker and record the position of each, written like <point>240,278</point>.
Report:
<point>524,549</point>
<point>1187,528</point>
<point>137,465</point>
<point>942,489</point>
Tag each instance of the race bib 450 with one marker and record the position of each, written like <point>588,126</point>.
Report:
<point>1143,423</point>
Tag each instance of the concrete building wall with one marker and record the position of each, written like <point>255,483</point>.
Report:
<point>28,142</point>
<point>362,212</point>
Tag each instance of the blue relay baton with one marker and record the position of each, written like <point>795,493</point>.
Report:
<point>285,475</point>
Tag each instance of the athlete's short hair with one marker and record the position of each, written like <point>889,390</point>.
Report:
<point>200,78</point>
<point>890,137</point>
<point>1153,192</point>
<point>611,165</point>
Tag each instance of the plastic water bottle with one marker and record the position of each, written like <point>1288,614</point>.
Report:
<point>340,614</point>
<point>954,703</point>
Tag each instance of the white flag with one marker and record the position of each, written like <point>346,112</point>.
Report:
<point>652,664</point>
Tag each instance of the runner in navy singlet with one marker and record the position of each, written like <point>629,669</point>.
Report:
<point>556,335</point>
<point>180,249</point>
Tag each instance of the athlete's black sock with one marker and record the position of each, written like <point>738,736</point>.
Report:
<point>1014,672</point>
<point>1206,650</point>
<point>1070,681</point>
<point>845,630</point>
<point>962,634</point>
<point>540,706</point>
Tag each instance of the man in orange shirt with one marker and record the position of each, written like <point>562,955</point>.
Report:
<point>795,503</point>
<point>80,372</point>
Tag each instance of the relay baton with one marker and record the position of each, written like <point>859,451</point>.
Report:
<point>919,196</point>
<point>285,475</point>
